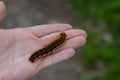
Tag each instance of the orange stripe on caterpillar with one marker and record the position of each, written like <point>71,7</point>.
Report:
<point>42,53</point>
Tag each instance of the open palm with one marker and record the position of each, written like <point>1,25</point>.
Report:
<point>17,45</point>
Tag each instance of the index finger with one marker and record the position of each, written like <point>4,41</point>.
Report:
<point>42,30</point>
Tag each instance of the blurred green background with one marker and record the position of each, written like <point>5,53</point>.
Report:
<point>99,59</point>
<point>101,20</point>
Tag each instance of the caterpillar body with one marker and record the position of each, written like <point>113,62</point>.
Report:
<point>44,52</point>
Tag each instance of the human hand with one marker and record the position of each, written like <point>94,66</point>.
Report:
<point>17,45</point>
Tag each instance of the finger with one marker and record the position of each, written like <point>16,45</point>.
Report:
<point>2,10</point>
<point>70,34</point>
<point>73,43</point>
<point>58,57</point>
<point>42,30</point>
<point>75,32</point>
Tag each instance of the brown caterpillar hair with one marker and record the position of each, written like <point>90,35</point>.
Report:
<point>44,52</point>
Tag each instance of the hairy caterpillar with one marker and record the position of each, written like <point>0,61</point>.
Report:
<point>41,53</point>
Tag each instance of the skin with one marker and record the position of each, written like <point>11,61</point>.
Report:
<point>16,46</point>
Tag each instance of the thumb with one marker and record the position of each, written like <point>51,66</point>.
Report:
<point>2,10</point>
